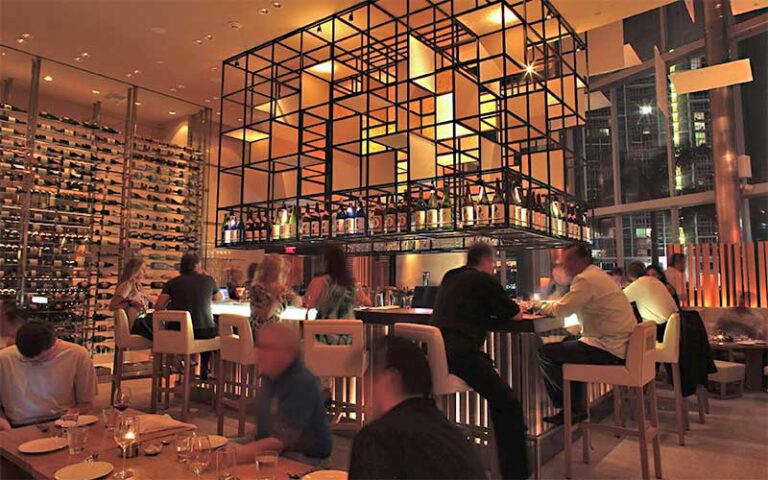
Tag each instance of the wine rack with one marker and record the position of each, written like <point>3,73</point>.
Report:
<point>460,119</point>
<point>77,240</point>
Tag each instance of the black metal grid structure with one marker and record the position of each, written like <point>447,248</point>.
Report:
<point>394,98</point>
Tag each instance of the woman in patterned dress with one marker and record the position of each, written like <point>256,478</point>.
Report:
<point>268,293</point>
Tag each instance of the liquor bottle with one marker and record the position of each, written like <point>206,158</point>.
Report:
<point>306,223</point>
<point>558,224</point>
<point>390,216</point>
<point>349,223</point>
<point>467,210</point>
<point>377,217</point>
<point>541,212</point>
<point>433,210</point>
<point>234,230</point>
<point>402,215</point>
<point>276,225</point>
<point>497,205</point>
<point>341,221</point>
<point>518,214</point>
<point>360,219</point>
<point>420,213</point>
<point>315,219</point>
<point>226,233</point>
<point>445,218</point>
<point>263,227</point>
<point>530,207</point>
<point>483,209</point>
<point>586,230</point>
<point>325,224</point>
<point>283,212</point>
<point>240,228</point>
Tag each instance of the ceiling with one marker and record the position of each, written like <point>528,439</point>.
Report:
<point>176,47</point>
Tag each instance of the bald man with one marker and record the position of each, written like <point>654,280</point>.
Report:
<point>290,414</point>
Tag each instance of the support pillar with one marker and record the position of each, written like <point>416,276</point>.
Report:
<point>724,155</point>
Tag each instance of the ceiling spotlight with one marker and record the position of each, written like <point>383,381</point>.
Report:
<point>78,59</point>
<point>138,104</point>
<point>218,113</point>
<point>234,25</point>
<point>171,113</point>
<point>136,72</point>
<point>20,40</point>
<point>2,54</point>
<point>529,69</point>
<point>646,109</point>
<point>180,87</point>
<point>277,4</point>
<point>85,54</point>
<point>215,98</point>
<point>198,42</point>
<point>209,37</point>
<point>48,78</point>
<point>26,35</point>
<point>129,75</point>
<point>95,92</point>
<point>263,11</point>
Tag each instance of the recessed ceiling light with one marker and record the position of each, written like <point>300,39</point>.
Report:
<point>172,89</point>
<point>159,62</point>
<point>95,92</point>
<point>171,113</point>
<point>138,104</point>
<point>20,40</point>
<point>158,30</point>
<point>78,59</point>
<point>214,68</point>
<point>180,87</point>
<point>2,54</point>
<point>129,75</point>
<point>209,37</point>
<point>136,72</point>
<point>239,119</point>
<point>234,25</point>
<point>215,98</point>
<point>207,100</point>
<point>26,35</point>
<point>263,11</point>
<point>48,78</point>
<point>277,4</point>
<point>218,113</point>
<point>85,54</point>
<point>198,42</point>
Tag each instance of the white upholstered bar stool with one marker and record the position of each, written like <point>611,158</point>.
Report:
<point>338,361</point>
<point>638,372</point>
<point>125,342</point>
<point>176,342</point>
<point>239,352</point>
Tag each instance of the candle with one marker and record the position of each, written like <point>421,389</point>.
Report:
<point>130,436</point>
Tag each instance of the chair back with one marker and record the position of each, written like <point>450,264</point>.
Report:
<point>668,350</point>
<point>340,360</point>
<point>432,338</point>
<point>236,347</point>
<point>122,329</point>
<point>641,353</point>
<point>172,341</point>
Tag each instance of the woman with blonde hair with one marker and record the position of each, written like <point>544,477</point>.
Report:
<point>269,295</point>
<point>129,296</point>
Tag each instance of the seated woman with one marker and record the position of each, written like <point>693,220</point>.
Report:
<point>129,296</point>
<point>268,293</point>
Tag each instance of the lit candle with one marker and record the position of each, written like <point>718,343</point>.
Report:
<point>130,436</point>
<point>536,297</point>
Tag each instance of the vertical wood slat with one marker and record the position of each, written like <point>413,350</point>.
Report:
<point>715,293</point>
<point>750,281</point>
<point>738,274</point>
<point>762,260</point>
<point>723,282</point>
<point>706,277</point>
<point>690,255</point>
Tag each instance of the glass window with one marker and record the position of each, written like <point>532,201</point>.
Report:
<point>640,238</point>
<point>680,29</point>
<point>642,142</point>
<point>758,213</point>
<point>698,224</point>
<point>599,165</point>
<point>755,93</point>
<point>604,242</point>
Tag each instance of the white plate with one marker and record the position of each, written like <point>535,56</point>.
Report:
<point>84,471</point>
<point>82,421</point>
<point>326,475</point>
<point>43,445</point>
<point>217,441</point>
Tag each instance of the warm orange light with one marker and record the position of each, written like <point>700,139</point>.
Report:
<point>325,68</point>
<point>249,136</point>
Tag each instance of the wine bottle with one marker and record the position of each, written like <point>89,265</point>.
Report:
<point>361,219</point>
<point>433,210</point>
<point>325,224</point>
<point>390,216</point>
<point>226,234</point>
<point>263,227</point>
<point>306,223</point>
<point>445,219</point>
<point>293,224</point>
<point>483,209</point>
<point>541,211</point>
<point>377,218</point>
<point>557,216</point>
<point>240,228</point>
<point>402,215</point>
<point>350,222</point>
<point>250,228</point>
<point>518,214</point>
<point>420,213</point>
<point>315,219</point>
<point>276,225</point>
<point>467,210</point>
<point>341,221</point>
<point>497,205</point>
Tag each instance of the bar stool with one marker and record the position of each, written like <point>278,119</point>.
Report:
<point>236,349</point>
<point>345,361</point>
<point>176,342</point>
<point>124,342</point>
<point>638,371</point>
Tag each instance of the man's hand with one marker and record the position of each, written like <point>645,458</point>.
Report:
<point>4,425</point>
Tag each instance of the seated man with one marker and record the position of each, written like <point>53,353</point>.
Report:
<point>41,377</point>
<point>741,321</point>
<point>409,437</point>
<point>607,322</point>
<point>290,415</point>
<point>651,297</point>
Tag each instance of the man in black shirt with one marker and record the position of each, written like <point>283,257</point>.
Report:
<point>193,291</point>
<point>470,302</point>
<point>409,438</point>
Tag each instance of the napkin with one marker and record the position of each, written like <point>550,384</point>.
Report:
<point>156,423</point>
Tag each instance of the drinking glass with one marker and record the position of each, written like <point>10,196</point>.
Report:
<point>181,444</point>
<point>126,434</point>
<point>76,437</point>
<point>122,399</point>
<point>199,455</point>
<point>226,463</point>
<point>69,419</point>
<point>108,415</point>
<point>266,464</point>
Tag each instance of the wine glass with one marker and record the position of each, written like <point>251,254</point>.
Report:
<point>122,399</point>
<point>199,454</point>
<point>126,434</point>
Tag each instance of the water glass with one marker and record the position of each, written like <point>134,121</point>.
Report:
<point>266,464</point>
<point>226,463</point>
<point>109,415</point>
<point>76,438</point>
<point>181,445</point>
<point>199,455</point>
<point>70,418</point>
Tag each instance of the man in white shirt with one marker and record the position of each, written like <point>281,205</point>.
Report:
<point>676,276</point>
<point>42,377</point>
<point>607,322</point>
<point>651,298</point>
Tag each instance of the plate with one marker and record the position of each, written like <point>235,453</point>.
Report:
<point>43,445</point>
<point>84,471</point>
<point>82,421</point>
<point>217,441</point>
<point>326,475</point>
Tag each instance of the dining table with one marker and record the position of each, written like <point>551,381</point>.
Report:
<point>101,445</point>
